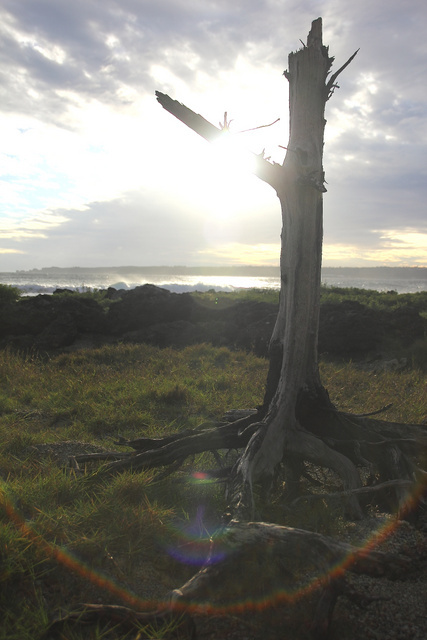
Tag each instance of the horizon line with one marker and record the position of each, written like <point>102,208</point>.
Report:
<point>205,266</point>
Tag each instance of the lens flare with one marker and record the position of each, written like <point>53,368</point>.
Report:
<point>195,543</point>
<point>198,543</point>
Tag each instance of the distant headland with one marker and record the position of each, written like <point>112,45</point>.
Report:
<point>237,270</point>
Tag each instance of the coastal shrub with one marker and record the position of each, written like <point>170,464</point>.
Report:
<point>9,294</point>
<point>385,300</point>
<point>222,299</point>
<point>328,294</point>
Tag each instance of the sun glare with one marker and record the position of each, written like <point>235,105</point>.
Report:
<point>220,177</point>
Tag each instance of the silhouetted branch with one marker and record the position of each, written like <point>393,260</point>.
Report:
<point>331,86</point>
<point>193,120</point>
<point>263,169</point>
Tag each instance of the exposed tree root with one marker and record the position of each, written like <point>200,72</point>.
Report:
<point>258,558</point>
<point>380,447</point>
<point>156,452</point>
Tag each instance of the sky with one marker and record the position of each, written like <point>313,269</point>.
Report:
<point>93,172</point>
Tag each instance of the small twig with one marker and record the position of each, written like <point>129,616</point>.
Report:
<point>310,478</point>
<point>225,126</point>
<point>346,414</point>
<point>262,126</point>
<point>217,457</point>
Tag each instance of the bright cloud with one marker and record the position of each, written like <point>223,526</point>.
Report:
<point>394,248</point>
<point>405,245</point>
<point>84,140</point>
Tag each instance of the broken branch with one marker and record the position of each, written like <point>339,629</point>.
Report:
<point>262,168</point>
<point>331,86</point>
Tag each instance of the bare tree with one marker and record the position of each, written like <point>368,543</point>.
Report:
<point>297,423</point>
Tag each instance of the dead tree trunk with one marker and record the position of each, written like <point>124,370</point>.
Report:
<point>294,375</point>
<point>297,421</point>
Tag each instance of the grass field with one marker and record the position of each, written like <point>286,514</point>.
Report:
<point>65,538</point>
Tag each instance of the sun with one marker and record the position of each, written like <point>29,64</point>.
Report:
<point>221,177</point>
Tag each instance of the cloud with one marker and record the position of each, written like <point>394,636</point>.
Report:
<point>389,247</point>
<point>130,230</point>
<point>239,253</point>
<point>83,137</point>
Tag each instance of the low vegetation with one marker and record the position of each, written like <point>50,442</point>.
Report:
<point>69,536</point>
<point>9,294</point>
<point>328,293</point>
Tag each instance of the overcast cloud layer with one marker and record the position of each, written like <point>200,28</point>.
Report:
<point>95,173</point>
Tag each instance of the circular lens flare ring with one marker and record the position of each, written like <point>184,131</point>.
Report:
<point>201,545</point>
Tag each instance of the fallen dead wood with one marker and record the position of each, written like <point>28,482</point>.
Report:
<point>252,562</point>
<point>293,550</point>
<point>262,562</point>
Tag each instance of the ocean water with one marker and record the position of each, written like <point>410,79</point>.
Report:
<point>179,280</point>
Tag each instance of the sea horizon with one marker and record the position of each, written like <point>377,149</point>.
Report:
<point>182,278</point>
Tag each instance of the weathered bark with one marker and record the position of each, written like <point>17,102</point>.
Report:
<point>294,373</point>
<point>292,552</point>
<point>155,452</point>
